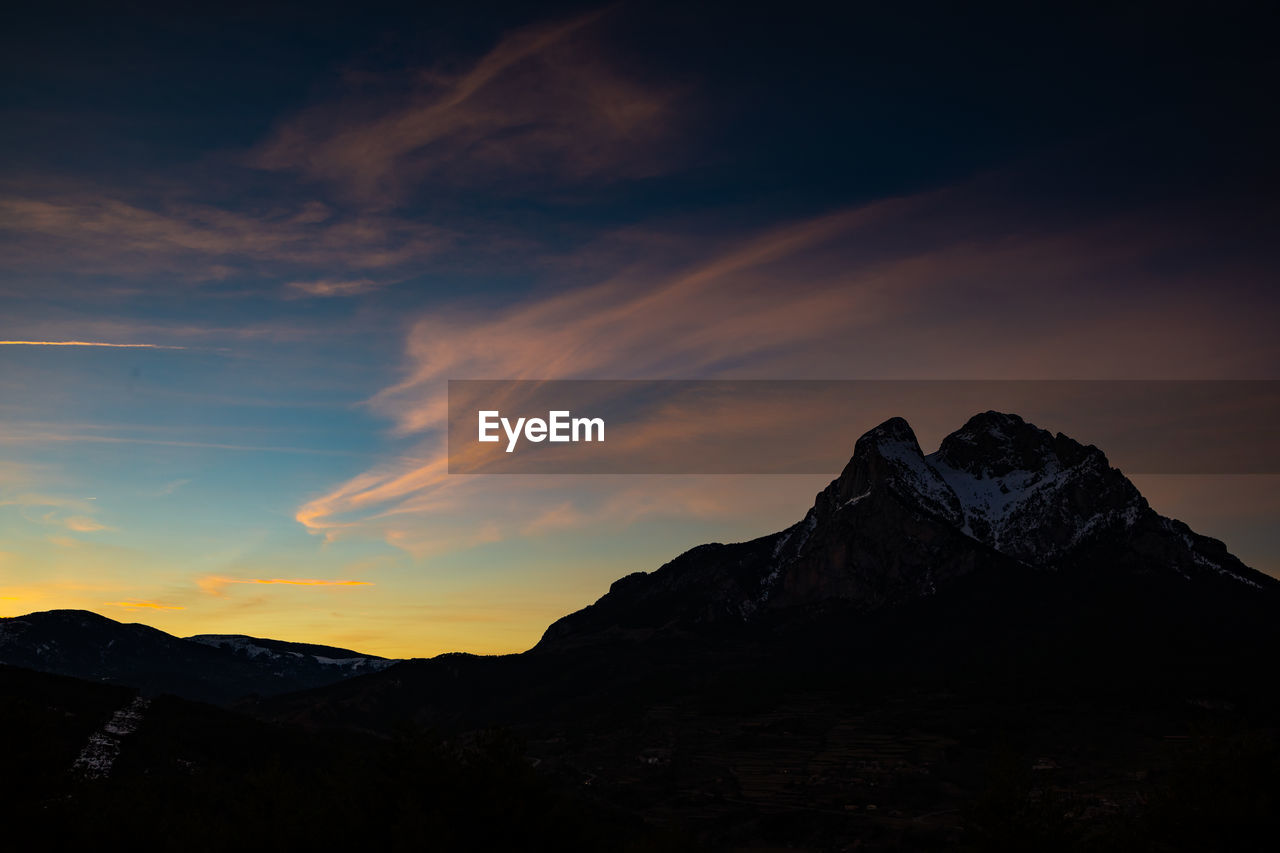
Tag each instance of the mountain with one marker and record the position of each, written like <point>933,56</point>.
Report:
<point>1010,552</point>
<point>213,668</point>
<point>996,646</point>
<point>999,497</point>
<point>282,652</point>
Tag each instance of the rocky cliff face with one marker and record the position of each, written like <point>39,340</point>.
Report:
<point>998,494</point>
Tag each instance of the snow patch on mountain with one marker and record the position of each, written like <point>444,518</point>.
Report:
<point>988,502</point>
<point>854,501</point>
<point>240,643</point>
<point>780,559</point>
<point>1204,562</point>
<point>103,748</point>
<point>251,648</point>
<point>924,482</point>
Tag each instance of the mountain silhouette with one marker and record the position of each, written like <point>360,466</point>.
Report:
<point>999,496</point>
<point>214,668</point>
<point>999,644</point>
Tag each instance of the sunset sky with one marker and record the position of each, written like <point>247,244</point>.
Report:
<point>242,253</point>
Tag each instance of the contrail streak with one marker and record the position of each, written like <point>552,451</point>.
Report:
<point>83,344</point>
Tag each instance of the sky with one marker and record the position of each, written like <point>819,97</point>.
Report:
<point>243,249</point>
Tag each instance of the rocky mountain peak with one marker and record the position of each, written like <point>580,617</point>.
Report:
<point>888,456</point>
<point>999,496</point>
<point>992,444</point>
<point>1029,493</point>
<point>1011,485</point>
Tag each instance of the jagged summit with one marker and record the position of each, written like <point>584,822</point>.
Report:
<point>1029,493</point>
<point>999,494</point>
<point>875,456</point>
<point>889,457</point>
<point>1000,480</point>
<point>993,444</point>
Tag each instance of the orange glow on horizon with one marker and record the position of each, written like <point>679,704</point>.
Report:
<point>299,582</point>
<point>214,583</point>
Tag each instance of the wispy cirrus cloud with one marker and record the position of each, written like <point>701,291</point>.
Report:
<point>74,514</point>
<point>39,499</point>
<point>545,101</point>
<point>334,287</point>
<point>168,488</point>
<point>545,108</point>
<point>35,437</point>
<point>71,514</point>
<point>81,524</point>
<point>15,474</point>
<point>870,292</point>
<point>610,329</point>
<point>214,584</point>
<point>100,231</point>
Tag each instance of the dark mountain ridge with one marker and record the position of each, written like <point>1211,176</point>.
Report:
<point>939,552</point>
<point>213,668</point>
<point>1010,555</point>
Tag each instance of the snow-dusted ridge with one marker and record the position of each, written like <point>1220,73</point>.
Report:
<point>999,497</point>
<point>257,649</point>
<point>1004,482</point>
<point>239,643</point>
<point>1027,493</point>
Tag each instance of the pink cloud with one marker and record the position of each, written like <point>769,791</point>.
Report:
<point>900,289</point>
<point>545,100</point>
<point>333,287</point>
<point>93,231</point>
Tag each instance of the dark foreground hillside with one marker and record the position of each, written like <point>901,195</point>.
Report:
<point>1114,727</point>
<point>196,777</point>
<point>1048,728</point>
